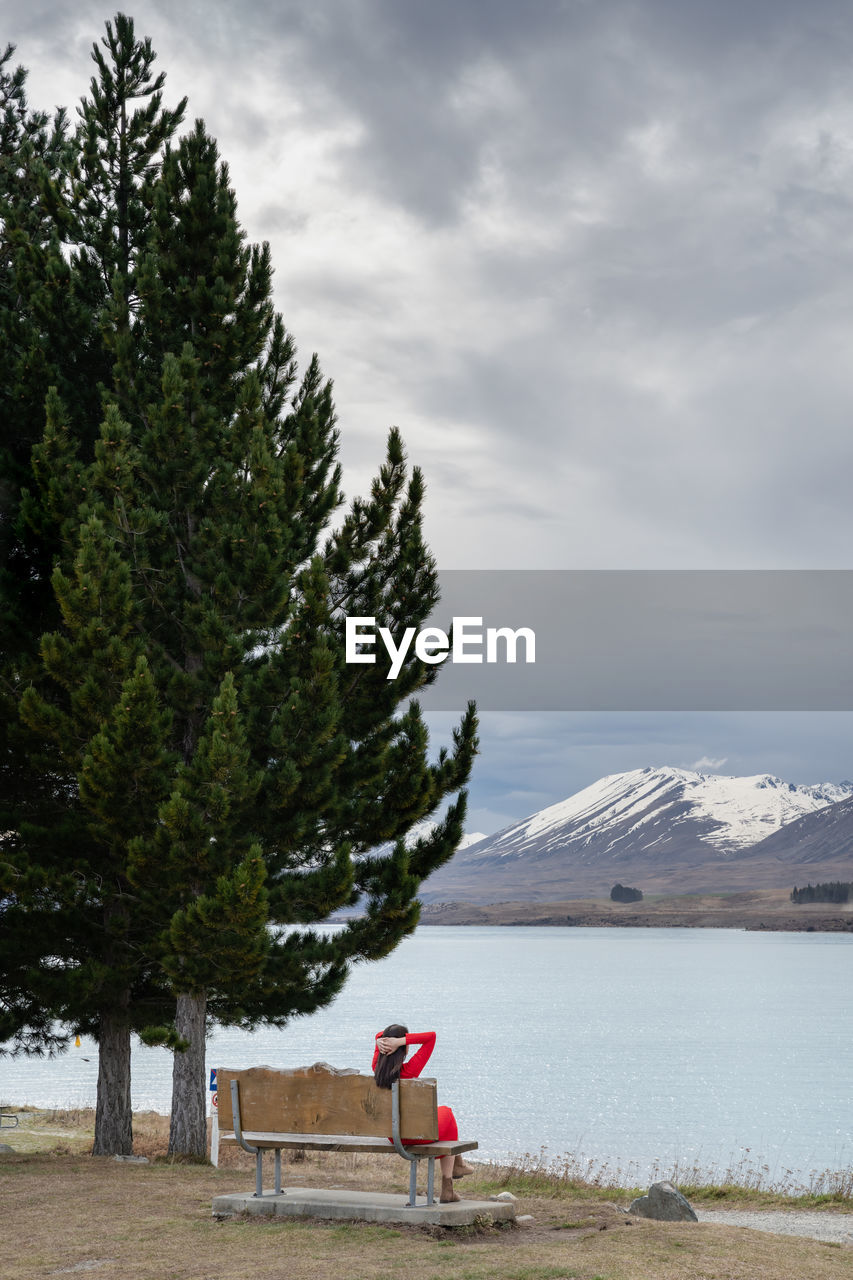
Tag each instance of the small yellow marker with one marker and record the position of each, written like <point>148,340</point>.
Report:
<point>76,1042</point>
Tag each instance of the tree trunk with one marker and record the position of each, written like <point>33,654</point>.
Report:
<point>113,1116</point>
<point>188,1129</point>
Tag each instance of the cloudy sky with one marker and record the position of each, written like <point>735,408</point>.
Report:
<point>594,258</point>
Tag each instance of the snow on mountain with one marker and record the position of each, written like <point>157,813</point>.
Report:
<point>742,810</point>
<point>427,826</point>
<point>659,811</point>
<point>825,836</point>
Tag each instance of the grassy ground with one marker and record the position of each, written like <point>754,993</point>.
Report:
<point>66,1213</point>
<point>769,909</point>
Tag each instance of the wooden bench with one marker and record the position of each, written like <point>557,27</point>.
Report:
<point>325,1109</point>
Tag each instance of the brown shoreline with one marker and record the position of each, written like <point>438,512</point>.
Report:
<point>762,909</point>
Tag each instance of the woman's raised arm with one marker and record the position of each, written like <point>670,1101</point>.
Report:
<point>416,1064</point>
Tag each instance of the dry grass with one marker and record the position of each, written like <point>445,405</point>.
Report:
<point>65,1213</point>
<point>769,909</point>
<point>741,1184</point>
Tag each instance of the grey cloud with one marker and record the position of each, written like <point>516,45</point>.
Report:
<point>614,326</point>
<point>530,761</point>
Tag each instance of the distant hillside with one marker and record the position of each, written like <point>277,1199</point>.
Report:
<point>820,837</point>
<point>664,830</point>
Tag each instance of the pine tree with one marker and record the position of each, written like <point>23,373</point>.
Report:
<point>74,215</point>
<point>45,336</point>
<point>253,482</point>
<point>231,771</point>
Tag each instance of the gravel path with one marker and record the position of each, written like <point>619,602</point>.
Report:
<point>837,1227</point>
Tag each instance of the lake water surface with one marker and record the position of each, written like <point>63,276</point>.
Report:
<point>635,1047</point>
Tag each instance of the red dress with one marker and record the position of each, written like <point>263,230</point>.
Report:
<point>447,1130</point>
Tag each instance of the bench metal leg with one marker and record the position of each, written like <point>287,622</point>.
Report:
<point>278,1171</point>
<point>430,1179</point>
<point>398,1146</point>
<point>238,1134</point>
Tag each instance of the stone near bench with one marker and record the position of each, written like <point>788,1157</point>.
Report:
<point>664,1202</point>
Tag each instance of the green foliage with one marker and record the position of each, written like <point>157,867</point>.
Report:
<point>835,891</point>
<point>622,893</point>
<point>56,319</point>
<point>116,159</point>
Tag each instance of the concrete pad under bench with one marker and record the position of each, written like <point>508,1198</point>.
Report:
<point>368,1206</point>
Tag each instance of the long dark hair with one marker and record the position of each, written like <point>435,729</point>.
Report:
<point>389,1066</point>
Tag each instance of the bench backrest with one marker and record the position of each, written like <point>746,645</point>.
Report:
<point>322,1100</point>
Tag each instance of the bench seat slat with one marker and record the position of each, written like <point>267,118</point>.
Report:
<point>346,1142</point>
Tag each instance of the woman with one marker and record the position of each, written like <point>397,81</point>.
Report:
<point>389,1065</point>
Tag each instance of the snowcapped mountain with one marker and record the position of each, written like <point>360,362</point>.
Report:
<point>646,821</point>
<point>820,837</point>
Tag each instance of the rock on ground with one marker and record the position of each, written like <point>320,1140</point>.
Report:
<point>664,1202</point>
